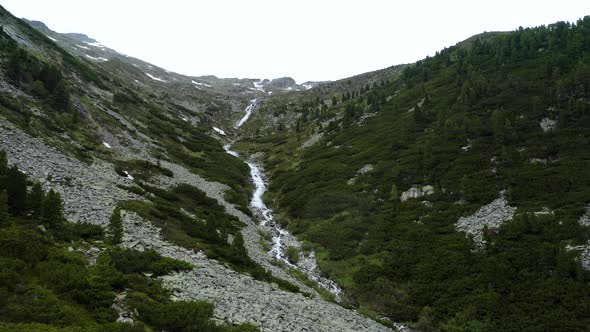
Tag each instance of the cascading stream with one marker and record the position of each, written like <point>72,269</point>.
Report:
<point>281,238</point>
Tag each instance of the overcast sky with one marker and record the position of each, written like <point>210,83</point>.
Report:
<point>304,39</point>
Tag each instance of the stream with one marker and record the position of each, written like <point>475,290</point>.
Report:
<point>281,238</point>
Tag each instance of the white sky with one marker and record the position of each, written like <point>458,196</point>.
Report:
<point>304,39</point>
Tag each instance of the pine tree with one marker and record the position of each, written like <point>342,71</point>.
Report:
<point>16,187</point>
<point>35,200</point>
<point>3,208</point>
<point>3,163</point>
<point>116,227</point>
<point>52,209</point>
<point>393,193</point>
<point>60,98</point>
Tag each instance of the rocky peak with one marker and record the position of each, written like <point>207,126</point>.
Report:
<point>283,83</point>
<point>80,37</point>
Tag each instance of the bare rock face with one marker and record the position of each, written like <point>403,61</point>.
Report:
<point>491,215</point>
<point>282,83</point>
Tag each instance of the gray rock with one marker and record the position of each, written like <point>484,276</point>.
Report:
<point>491,215</point>
<point>417,192</point>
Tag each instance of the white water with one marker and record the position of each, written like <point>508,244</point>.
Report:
<point>248,111</point>
<point>281,238</point>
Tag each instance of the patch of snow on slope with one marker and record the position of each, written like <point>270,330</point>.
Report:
<point>307,86</point>
<point>201,84</point>
<point>221,132</point>
<point>97,44</point>
<point>155,78</point>
<point>107,145</point>
<point>83,47</point>
<point>96,59</point>
<point>48,36</point>
<point>129,176</point>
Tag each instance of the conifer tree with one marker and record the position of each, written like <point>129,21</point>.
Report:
<point>3,163</point>
<point>35,200</point>
<point>3,208</point>
<point>52,209</point>
<point>16,187</point>
<point>116,227</point>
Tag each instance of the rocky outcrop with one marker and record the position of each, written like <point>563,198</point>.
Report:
<point>239,298</point>
<point>584,250</point>
<point>585,218</point>
<point>126,315</point>
<point>313,139</point>
<point>548,125</point>
<point>282,83</point>
<point>416,192</point>
<point>491,215</point>
<point>363,170</point>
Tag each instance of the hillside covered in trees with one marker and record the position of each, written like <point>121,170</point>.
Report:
<point>375,180</point>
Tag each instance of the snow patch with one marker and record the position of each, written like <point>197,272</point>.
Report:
<point>48,36</point>
<point>96,44</point>
<point>83,47</point>
<point>107,145</point>
<point>96,59</point>
<point>129,176</point>
<point>155,78</point>
<point>201,84</point>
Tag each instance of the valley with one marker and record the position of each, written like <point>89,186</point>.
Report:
<point>450,194</point>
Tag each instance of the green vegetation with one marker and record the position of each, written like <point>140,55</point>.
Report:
<point>44,286</point>
<point>116,228</point>
<point>467,122</point>
<point>187,145</point>
<point>44,81</point>
<point>192,220</point>
<point>140,169</point>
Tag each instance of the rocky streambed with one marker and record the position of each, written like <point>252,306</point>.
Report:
<point>282,240</point>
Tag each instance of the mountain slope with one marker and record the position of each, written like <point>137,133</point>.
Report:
<point>451,195</point>
<point>108,137</point>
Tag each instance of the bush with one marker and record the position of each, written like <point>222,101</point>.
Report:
<point>131,261</point>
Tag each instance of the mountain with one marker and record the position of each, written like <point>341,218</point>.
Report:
<point>452,192</point>
<point>449,194</point>
<point>117,197</point>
